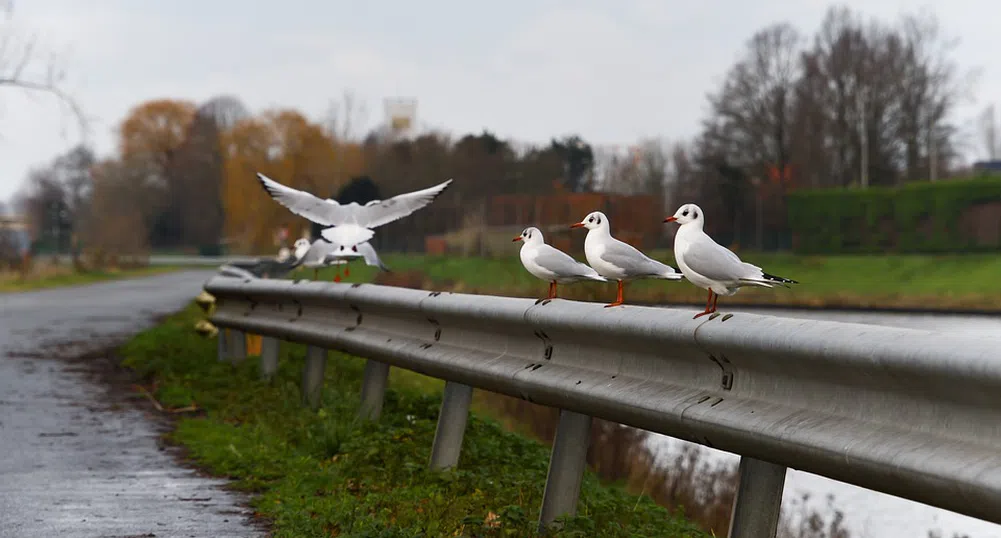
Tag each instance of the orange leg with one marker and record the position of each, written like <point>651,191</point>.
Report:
<point>709,300</point>
<point>555,289</point>
<point>618,297</point>
<point>337,276</point>
<point>347,270</point>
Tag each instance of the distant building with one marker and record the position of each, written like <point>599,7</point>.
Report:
<point>987,166</point>
<point>15,237</point>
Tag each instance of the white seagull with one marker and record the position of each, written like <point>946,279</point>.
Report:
<point>352,223</point>
<point>616,260</point>
<point>709,265</point>
<point>549,263</point>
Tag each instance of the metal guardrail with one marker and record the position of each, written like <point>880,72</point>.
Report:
<point>911,413</point>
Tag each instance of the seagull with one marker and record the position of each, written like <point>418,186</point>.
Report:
<point>709,265</point>
<point>352,223</point>
<point>323,253</point>
<point>549,263</point>
<point>269,268</point>
<point>616,260</point>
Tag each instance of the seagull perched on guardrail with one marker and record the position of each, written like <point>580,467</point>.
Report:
<point>711,266</point>
<point>352,224</point>
<point>549,263</point>
<point>616,260</point>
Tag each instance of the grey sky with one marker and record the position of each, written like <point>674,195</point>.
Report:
<point>610,71</point>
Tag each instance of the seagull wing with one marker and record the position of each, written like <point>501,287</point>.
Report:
<point>379,212</point>
<point>371,256</point>
<point>715,262</point>
<point>304,204</point>
<point>563,265</point>
<point>633,261</point>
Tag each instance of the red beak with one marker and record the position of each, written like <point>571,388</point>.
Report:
<point>670,219</point>
<point>577,225</point>
<point>516,239</point>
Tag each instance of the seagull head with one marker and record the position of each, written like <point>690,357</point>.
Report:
<point>687,214</point>
<point>300,247</point>
<point>530,235</point>
<point>595,220</point>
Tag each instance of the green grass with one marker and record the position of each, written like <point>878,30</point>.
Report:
<point>330,474</point>
<point>904,281</point>
<point>64,276</point>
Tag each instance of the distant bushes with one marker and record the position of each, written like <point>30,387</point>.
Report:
<point>925,217</point>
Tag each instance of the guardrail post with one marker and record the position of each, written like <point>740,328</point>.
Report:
<point>221,349</point>
<point>451,425</point>
<point>566,467</point>
<point>373,389</point>
<point>269,356</point>
<point>237,346</point>
<point>759,496</point>
<point>312,376</point>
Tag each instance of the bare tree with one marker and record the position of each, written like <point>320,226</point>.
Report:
<point>754,109</point>
<point>24,66</point>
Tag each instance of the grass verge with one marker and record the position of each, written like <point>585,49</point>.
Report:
<point>65,276</point>
<point>952,282</point>
<point>330,474</point>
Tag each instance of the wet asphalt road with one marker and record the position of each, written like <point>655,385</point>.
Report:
<point>72,462</point>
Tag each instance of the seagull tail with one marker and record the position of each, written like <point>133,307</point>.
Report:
<point>672,274</point>
<point>768,281</point>
<point>779,279</point>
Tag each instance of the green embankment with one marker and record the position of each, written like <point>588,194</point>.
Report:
<point>331,474</point>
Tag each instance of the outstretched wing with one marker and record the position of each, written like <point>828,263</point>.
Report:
<point>379,212</point>
<point>330,213</point>
<point>304,204</point>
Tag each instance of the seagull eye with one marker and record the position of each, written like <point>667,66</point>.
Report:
<point>685,214</point>
<point>590,219</point>
<point>355,248</point>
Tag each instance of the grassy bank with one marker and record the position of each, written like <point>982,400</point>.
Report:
<point>894,281</point>
<point>58,276</point>
<point>329,474</point>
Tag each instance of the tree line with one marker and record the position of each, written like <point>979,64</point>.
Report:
<point>858,102</point>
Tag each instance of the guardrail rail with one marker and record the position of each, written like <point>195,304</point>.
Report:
<point>906,412</point>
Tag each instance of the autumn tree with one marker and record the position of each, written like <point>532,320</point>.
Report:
<point>197,173</point>
<point>287,147</point>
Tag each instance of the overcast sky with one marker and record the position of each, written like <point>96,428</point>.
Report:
<point>610,71</point>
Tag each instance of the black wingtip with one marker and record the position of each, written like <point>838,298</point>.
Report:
<point>779,279</point>
<point>448,183</point>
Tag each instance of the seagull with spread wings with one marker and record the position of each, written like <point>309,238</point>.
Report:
<point>352,224</point>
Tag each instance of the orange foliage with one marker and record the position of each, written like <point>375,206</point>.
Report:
<point>290,149</point>
<point>155,129</point>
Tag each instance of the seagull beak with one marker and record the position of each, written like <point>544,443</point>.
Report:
<point>670,219</point>
<point>516,239</point>
<point>577,225</point>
